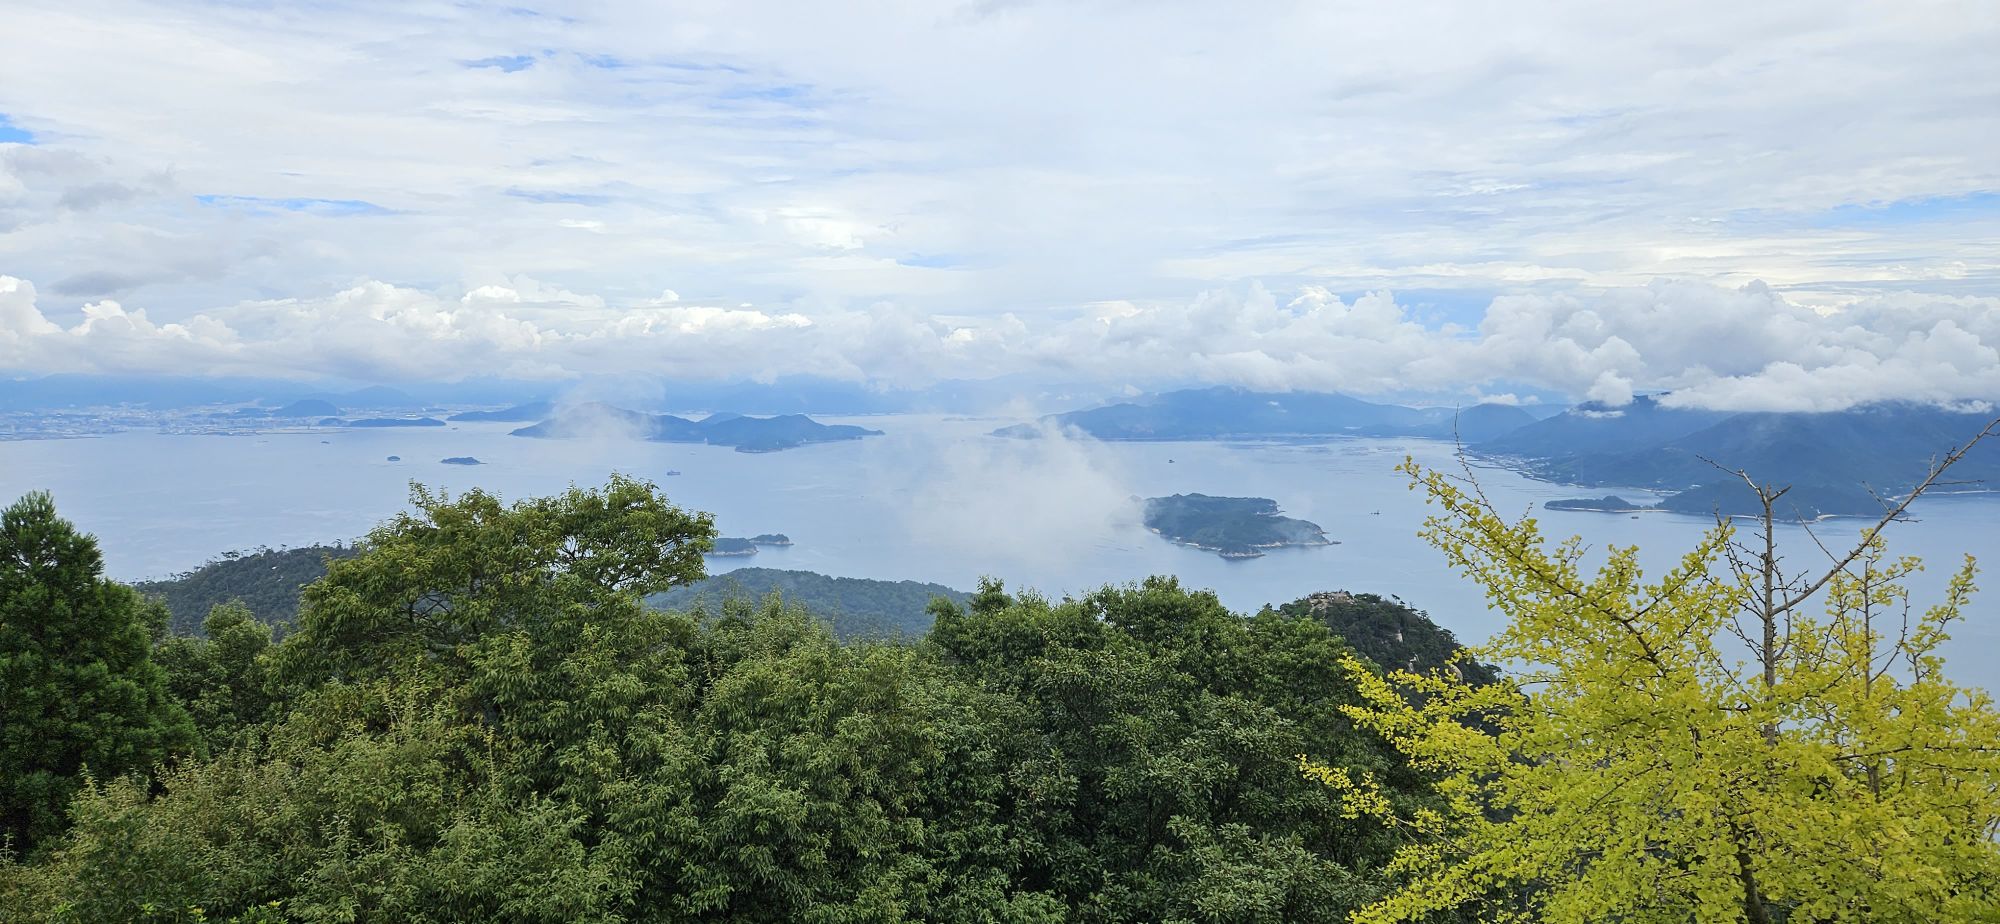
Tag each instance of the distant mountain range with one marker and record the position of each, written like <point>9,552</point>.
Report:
<point>519,413</point>
<point>1236,413</point>
<point>745,434</point>
<point>1838,462</point>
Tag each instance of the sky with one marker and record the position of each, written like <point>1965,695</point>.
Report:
<point>1792,204</point>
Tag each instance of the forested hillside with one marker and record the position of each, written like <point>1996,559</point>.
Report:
<point>1390,633</point>
<point>267,582</point>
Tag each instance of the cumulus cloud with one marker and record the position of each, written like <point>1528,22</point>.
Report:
<point>1729,348</point>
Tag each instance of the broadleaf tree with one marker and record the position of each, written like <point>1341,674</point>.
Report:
<point>1700,746</point>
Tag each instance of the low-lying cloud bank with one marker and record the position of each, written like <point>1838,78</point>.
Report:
<point>1730,348</point>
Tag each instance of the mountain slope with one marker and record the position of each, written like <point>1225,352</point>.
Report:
<point>1839,461</point>
<point>268,582</point>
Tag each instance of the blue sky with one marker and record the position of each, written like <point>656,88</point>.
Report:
<point>11,133</point>
<point>980,188</point>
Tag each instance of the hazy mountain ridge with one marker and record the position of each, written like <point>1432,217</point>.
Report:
<point>745,434</point>
<point>1225,412</point>
<point>1839,462</point>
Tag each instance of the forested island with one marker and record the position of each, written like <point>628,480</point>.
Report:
<point>1232,527</point>
<point>729,546</point>
<point>744,434</point>
<point>1609,503</point>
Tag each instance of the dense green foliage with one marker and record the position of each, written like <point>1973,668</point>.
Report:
<point>854,608</point>
<point>478,719</point>
<point>1158,787</point>
<point>1391,634</point>
<point>1697,746</point>
<point>221,677</point>
<point>267,582</point>
<point>80,695</point>
<point>1235,527</point>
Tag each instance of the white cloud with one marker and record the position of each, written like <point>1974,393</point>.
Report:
<point>1053,154</point>
<point>907,192</point>
<point>1740,348</point>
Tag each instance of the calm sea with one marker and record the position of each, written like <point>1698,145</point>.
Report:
<point>934,499</point>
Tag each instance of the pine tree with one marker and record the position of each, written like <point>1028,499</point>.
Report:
<point>79,693</point>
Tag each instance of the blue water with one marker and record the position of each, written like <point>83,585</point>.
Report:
<point>933,500</point>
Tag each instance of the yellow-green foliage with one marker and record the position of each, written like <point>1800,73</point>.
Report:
<point>1655,762</point>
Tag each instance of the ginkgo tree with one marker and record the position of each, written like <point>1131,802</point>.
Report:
<point>1732,740</point>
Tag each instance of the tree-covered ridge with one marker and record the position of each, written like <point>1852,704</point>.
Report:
<point>1233,527</point>
<point>1391,633</point>
<point>266,581</point>
<point>854,608</point>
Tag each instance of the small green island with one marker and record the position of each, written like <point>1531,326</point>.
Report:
<point>735,547</point>
<point>1609,503</point>
<point>1232,527</point>
<point>461,460</point>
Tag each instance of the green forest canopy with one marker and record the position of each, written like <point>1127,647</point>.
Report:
<point>477,718</point>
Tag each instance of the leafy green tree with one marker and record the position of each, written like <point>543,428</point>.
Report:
<point>371,801</point>
<point>79,692</point>
<point>1698,747</point>
<point>221,678</point>
<point>434,582</point>
<point>1158,787</point>
<point>478,719</point>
